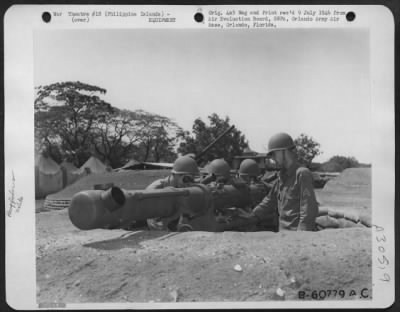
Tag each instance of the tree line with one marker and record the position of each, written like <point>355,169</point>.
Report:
<point>73,122</point>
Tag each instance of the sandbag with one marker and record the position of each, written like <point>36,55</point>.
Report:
<point>366,219</point>
<point>326,222</point>
<point>335,213</point>
<point>344,223</point>
<point>322,211</point>
<point>352,215</point>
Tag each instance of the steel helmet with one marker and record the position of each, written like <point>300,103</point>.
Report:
<point>219,167</point>
<point>280,141</point>
<point>193,155</point>
<point>249,167</point>
<point>185,165</point>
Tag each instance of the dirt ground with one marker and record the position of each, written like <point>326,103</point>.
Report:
<point>76,266</point>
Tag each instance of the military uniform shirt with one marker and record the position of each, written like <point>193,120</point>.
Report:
<point>294,197</point>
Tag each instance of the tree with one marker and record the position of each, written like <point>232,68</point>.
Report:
<point>46,142</point>
<point>72,122</point>
<point>158,137</point>
<point>115,140</point>
<point>339,163</point>
<point>307,149</point>
<point>65,115</point>
<point>232,144</point>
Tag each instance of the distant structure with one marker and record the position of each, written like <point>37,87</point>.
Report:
<point>139,165</point>
<point>70,173</point>
<point>263,162</point>
<point>131,163</point>
<point>48,176</point>
<point>93,165</point>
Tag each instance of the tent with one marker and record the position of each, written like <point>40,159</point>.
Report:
<point>48,177</point>
<point>70,173</point>
<point>93,165</point>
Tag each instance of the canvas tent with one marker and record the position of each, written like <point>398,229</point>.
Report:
<point>93,165</point>
<point>70,173</point>
<point>48,177</point>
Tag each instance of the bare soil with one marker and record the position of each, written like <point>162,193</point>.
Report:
<point>143,266</point>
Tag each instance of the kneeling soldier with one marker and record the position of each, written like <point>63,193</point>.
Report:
<point>183,173</point>
<point>292,195</point>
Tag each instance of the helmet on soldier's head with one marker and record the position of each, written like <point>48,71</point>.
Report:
<point>280,141</point>
<point>219,167</point>
<point>185,165</point>
<point>193,155</point>
<point>249,167</point>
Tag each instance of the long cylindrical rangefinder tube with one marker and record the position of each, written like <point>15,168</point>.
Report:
<point>116,207</point>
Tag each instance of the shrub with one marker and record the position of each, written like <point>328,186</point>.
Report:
<point>339,163</point>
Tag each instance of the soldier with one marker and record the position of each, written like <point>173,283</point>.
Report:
<point>218,175</point>
<point>218,172</point>
<point>183,173</point>
<point>292,196</point>
<point>248,175</point>
<point>249,170</point>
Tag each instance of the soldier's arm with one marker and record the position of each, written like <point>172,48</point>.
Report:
<point>308,202</point>
<point>263,211</point>
<point>155,185</point>
<point>267,207</point>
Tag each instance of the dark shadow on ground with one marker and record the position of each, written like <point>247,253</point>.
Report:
<point>130,240</point>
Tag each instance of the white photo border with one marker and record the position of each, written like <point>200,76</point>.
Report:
<point>19,158</point>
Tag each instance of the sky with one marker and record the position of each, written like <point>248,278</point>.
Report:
<point>312,81</point>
